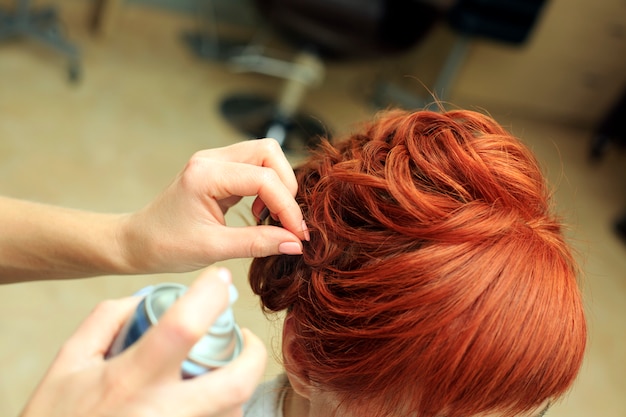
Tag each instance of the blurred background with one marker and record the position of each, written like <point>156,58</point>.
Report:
<point>102,102</point>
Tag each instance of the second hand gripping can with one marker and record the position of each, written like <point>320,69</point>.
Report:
<point>221,343</point>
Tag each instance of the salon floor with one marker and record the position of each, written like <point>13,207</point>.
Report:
<point>145,104</point>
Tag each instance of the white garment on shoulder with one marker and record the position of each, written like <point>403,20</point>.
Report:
<point>268,398</point>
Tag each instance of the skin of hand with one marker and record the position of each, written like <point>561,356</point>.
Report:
<point>184,228</point>
<point>144,380</point>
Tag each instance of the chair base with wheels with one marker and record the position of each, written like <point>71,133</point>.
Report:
<point>319,30</point>
<point>42,25</point>
<point>257,117</point>
<point>282,118</point>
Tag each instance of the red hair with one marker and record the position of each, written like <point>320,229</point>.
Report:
<point>437,282</point>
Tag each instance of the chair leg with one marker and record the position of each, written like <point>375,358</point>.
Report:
<point>103,16</point>
<point>280,119</point>
<point>41,25</point>
<point>293,93</point>
<point>453,64</point>
<point>52,37</point>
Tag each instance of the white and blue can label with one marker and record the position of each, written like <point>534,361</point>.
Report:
<point>222,343</point>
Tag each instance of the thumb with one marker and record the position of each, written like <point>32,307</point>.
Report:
<point>258,242</point>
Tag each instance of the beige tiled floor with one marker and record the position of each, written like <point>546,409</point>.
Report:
<point>145,105</point>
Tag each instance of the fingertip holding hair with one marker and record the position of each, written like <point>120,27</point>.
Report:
<point>437,281</point>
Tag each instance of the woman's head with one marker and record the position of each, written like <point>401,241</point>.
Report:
<point>437,282</point>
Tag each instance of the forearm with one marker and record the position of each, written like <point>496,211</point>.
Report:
<point>182,229</point>
<point>40,242</point>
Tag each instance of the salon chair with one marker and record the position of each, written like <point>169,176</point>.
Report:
<point>504,21</point>
<point>42,25</point>
<point>321,31</point>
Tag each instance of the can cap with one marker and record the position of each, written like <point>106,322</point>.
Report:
<point>161,298</point>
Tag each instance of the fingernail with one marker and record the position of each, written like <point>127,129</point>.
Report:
<point>264,214</point>
<point>225,275</point>
<point>290,248</point>
<point>305,230</point>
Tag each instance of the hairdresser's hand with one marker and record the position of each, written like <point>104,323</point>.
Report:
<point>144,380</point>
<point>184,228</point>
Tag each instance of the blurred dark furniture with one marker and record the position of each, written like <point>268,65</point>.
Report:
<point>509,21</point>
<point>42,25</point>
<point>321,30</point>
<point>611,133</point>
<point>505,21</point>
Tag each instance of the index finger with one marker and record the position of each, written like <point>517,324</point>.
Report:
<point>231,179</point>
<point>164,347</point>
<point>260,152</point>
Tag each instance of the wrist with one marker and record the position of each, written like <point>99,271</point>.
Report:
<point>131,246</point>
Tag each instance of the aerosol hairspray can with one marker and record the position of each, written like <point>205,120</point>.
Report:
<point>221,344</point>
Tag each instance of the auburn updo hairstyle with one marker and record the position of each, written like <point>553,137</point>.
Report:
<point>437,281</point>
